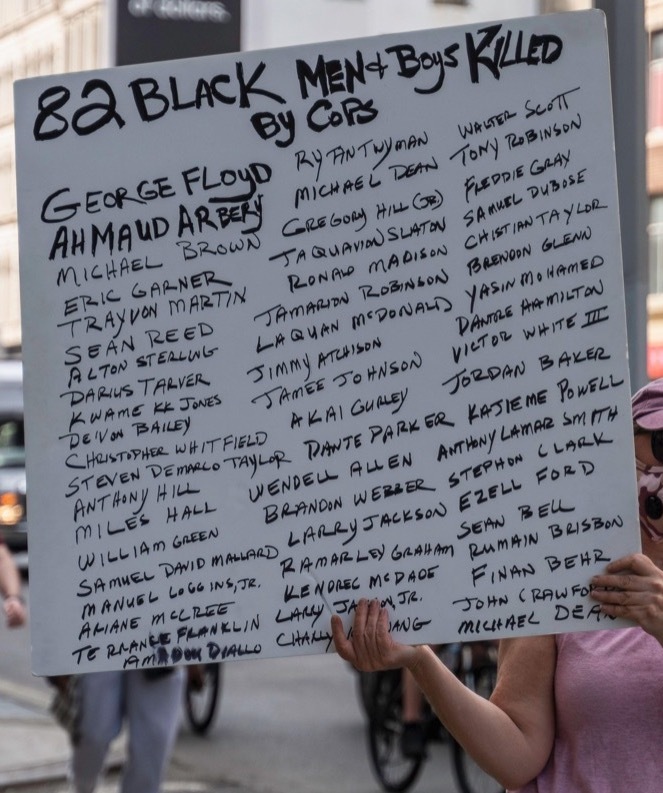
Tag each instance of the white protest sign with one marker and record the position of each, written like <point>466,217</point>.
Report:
<point>312,324</point>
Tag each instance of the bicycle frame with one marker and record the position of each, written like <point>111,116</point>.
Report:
<point>475,664</point>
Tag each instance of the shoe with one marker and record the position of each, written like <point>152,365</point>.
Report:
<point>413,740</point>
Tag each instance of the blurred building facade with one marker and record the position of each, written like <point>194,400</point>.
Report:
<point>654,24</point>
<point>41,37</point>
<point>37,37</point>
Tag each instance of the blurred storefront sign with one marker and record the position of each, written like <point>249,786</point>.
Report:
<point>158,30</point>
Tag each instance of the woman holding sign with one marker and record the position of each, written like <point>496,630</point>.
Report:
<point>572,712</point>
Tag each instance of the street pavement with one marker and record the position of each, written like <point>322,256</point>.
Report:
<point>34,748</point>
<point>286,726</point>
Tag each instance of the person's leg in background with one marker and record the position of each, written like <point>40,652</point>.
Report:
<point>413,739</point>
<point>101,699</point>
<point>153,710</point>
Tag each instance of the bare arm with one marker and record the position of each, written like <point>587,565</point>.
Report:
<point>10,587</point>
<point>511,735</point>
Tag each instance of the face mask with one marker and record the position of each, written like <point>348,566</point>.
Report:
<point>650,499</point>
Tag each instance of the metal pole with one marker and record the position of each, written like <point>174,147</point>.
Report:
<point>628,67</point>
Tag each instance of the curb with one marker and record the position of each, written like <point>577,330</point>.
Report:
<point>32,699</point>
<point>39,725</point>
<point>39,775</point>
<point>25,695</point>
<point>52,772</point>
<point>51,776</point>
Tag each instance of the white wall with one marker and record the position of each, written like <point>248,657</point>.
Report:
<point>278,23</point>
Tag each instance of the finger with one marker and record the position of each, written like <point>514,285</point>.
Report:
<point>364,622</point>
<point>366,643</point>
<point>640,613</point>
<point>383,623</point>
<point>623,563</point>
<point>359,625</point>
<point>343,645</point>
<point>617,597</point>
<point>636,562</point>
<point>619,582</point>
<point>615,611</point>
<point>646,579</point>
<point>643,608</point>
<point>644,594</point>
<point>372,619</point>
<point>383,636</point>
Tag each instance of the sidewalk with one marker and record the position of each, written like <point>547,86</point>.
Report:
<point>34,750</point>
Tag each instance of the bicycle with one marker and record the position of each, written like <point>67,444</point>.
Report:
<point>475,665</point>
<point>202,696</point>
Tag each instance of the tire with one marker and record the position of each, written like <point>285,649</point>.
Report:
<point>469,776</point>
<point>202,704</point>
<point>392,769</point>
<point>366,683</point>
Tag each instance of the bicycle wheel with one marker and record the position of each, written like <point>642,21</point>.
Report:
<point>470,777</point>
<point>392,769</point>
<point>366,682</point>
<point>202,703</point>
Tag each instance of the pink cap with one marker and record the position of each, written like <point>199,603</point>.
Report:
<point>647,406</point>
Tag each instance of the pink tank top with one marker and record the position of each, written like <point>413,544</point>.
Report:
<point>609,709</point>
